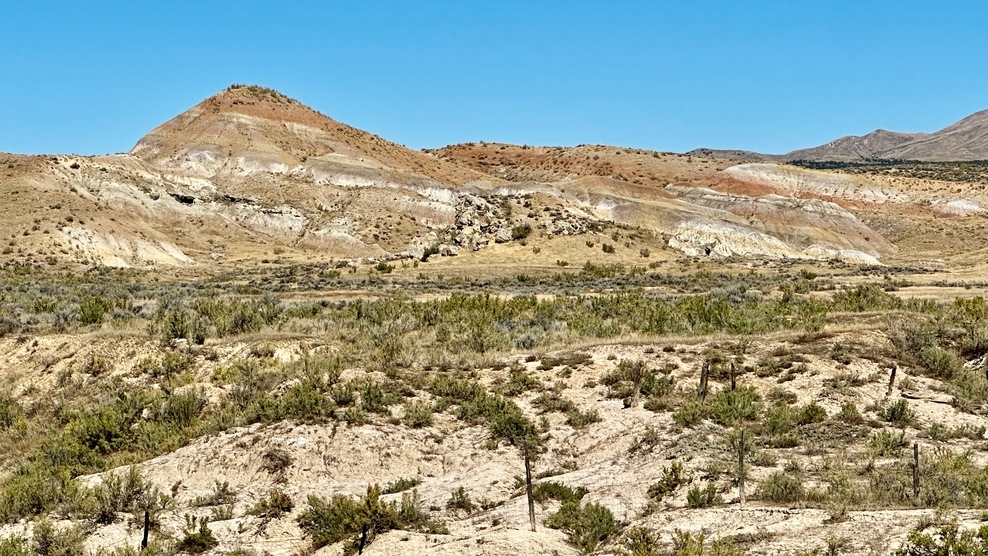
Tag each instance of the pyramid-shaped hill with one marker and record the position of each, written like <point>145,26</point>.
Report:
<point>248,130</point>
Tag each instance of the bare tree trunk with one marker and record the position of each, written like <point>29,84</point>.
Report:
<point>528,489</point>
<point>147,529</point>
<point>891,380</point>
<point>741,448</point>
<point>734,383</point>
<point>363,540</point>
<point>704,375</point>
<point>916,470</point>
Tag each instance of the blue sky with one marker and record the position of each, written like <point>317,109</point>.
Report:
<point>770,76</point>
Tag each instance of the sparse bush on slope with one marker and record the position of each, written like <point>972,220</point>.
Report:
<point>357,522</point>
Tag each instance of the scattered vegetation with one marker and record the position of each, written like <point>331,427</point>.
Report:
<point>276,504</point>
<point>702,497</point>
<point>416,363</point>
<point>198,538</point>
<point>949,539</point>
<point>673,477</point>
<point>587,525</point>
<point>358,522</point>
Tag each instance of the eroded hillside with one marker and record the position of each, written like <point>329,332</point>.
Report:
<point>250,175</point>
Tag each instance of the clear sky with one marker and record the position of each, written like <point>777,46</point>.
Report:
<point>770,76</point>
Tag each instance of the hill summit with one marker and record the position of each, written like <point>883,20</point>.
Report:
<point>247,129</point>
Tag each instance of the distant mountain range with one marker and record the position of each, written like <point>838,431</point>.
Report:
<point>965,140</point>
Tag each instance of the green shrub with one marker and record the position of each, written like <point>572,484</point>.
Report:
<point>868,297</point>
<point>15,546</point>
<point>587,525</point>
<point>811,413</point>
<point>557,491</point>
<point>781,487</point>
<point>940,433</point>
<point>122,493</point>
<point>897,413</point>
<point>418,414</point>
<point>49,541</point>
<point>32,490</point>
<point>372,399</point>
<point>306,401</point>
<point>520,381</point>
<point>179,324</point>
<point>521,231</point>
<point>429,251</point>
<point>173,363</point>
<point>101,430</point>
<point>233,316</point>
<point>342,518</point>
<point>502,416</point>
<point>93,308</point>
<point>457,390</point>
<point>779,419</point>
<point>197,536</point>
<point>384,268</point>
<point>730,407</point>
<point>222,494</point>
<point>685,543</point>
<point>639,541</point>
<point>344,395</point>
<point>886,443</point>
<point>849,414</point>
<point>948,540</point>
<point>274,506</point>
<point>581,419</point>
<point>940,363</point>
<point>460,500</point>
<point>10,412</point>
<point>401,485</point>
<point>355,416</point>
<point>673,477</point>
<point>337,519</point>
<point>552,401</point>
<point>947,479</point>
<point>698,497</point>
<point>183,409</point>
<point>690,413</point>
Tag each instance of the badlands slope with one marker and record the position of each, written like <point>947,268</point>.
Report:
<point>250,174</point>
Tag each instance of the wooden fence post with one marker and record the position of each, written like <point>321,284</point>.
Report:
<point>528,488</point>
<point>916,470</point>
<point>704,375</point>
<point>147,529</point>
<point>741,448</point>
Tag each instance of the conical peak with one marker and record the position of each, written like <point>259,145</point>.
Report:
<point>253,93</point>
<point>255,100</point>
